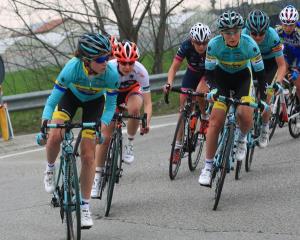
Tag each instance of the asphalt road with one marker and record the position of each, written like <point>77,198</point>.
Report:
<point>264,204</point>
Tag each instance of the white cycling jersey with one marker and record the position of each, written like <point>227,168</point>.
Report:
<point>139,76</point>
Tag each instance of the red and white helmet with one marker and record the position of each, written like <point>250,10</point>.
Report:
<point>113,43</point>
<point>289,15</point>
<point>200,32</point>
<point>126,51</point>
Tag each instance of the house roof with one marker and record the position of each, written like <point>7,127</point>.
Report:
<point>48,26</point>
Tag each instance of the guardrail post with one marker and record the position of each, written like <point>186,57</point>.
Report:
<point>5,122</point>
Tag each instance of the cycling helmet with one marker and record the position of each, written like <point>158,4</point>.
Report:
<point>113,43</point>
<point>257,21</point>
<point>126,51</point>
<point>92,45</point>
<point>200,32</point>
<point>289,15</point>
<point>230,19</point>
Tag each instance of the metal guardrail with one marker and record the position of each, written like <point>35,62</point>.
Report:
<point>37,99</point>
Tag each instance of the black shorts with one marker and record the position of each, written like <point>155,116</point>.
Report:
<point>68,105</point>
<point>239,82</point>
<point>270,69</point>
<point>191,79</point>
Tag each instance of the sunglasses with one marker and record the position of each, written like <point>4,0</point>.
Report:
<point>126,63</point>
<point>233,32</point>
<point>102,59</point>
<point>255,34</point>
<point>200,43</point>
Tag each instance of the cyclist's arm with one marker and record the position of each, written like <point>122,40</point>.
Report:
<point>282,69</point>
<point>54,98</point>
<point>109,107</point>
<point>173,69</point>
<point>148,106</point>
<point>258,66</point>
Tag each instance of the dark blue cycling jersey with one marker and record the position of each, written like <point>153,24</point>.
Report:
<point>291,45</point>
<point>196,61</point>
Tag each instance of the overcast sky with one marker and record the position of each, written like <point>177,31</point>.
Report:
<point>7,17</point>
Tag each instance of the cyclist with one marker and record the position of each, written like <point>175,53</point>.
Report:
<point>289,33</point>
<point>228,67</point>
<point>258,27</point>
<point>194,50</point>
<point>84,82</point>
<point>135,92</point>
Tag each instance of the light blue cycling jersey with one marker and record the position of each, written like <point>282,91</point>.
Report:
<point>74,76</point>
<point>233,59</point>
<point>271,46</point>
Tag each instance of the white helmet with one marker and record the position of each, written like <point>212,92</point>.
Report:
<point>289,15</point>
<point>200,32</point>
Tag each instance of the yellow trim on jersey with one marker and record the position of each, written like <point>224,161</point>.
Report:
<point>86,72</point>
<point>234,64</point>
<point>59,115</point>
<point>92,89</point>
<point>88,133</point>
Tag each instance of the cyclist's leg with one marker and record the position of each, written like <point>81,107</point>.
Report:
<point>65,111</point>
<point>244,89</point>
<point>91,112</point>
<point>134,101</point>
<point>216,122</point>
<point>203,88</point>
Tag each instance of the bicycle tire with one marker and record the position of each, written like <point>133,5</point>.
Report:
<point>195,143</point>
<point>224,164</point>
<point>173,168</point>
<point>72,208</point>
<point>111,169</point>
<point>249,158</point>
<point>293,129</point>
<point>274,119</point>
<point>237,171</point>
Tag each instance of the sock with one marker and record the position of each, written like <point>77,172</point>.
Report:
<point>242,136</point>
<point>208,164</point>
<point>177,145</point>
<point>50,166</point>
<point>265,125</point>
<point>130,137</point>
<point>99,169</point>
<point>204,117</point>
<point>85,203</point>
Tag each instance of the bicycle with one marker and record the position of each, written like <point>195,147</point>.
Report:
<point>187,133</point>
<point>67,193</point>
<point>224,159</point>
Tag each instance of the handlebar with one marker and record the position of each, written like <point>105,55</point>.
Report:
<point>189,92</point>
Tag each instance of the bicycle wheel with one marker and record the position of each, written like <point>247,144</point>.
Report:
<point>294,119</point>
<point>237,171</point>
<point>180,130</point>
<point>225,155</point>
<point>274,120</point>
<point>72,201</point>
<point>195,143</point>
<point>111,169</point>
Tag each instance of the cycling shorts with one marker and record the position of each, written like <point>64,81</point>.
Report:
<point>191,79</point>
<point>239,82</point>
<point>91,111</point>
<point>124,95</point>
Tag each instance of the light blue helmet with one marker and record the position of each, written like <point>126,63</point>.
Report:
<point>257,21</point>
<point>92,45</point>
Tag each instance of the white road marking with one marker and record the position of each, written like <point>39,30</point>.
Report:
<point>43,148</point>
